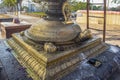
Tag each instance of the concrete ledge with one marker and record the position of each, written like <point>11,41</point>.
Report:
<point>6,19</point>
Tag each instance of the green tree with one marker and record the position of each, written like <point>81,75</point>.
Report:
<point>75,5</point>
<point>9,3</point>
<point>12,4</point>
<point>37,1</point>
<point>97,7</point>
<point>43,4</point>
<point>116,1</point>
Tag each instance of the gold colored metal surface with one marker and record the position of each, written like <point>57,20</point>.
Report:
<point>42,65</point>
<point>66,12</point>
<point>53,31</point>
<point>51,49</point>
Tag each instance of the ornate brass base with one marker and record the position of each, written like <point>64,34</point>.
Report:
<point>42,65</point>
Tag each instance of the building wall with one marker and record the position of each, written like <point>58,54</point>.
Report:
<point>31,5</point>
<point>113,17</point>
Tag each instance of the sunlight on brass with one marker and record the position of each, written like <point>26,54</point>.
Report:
<point>54,47</point>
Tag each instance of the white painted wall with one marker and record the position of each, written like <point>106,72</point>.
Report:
<point>31,5</point>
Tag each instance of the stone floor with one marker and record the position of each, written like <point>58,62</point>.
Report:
<point>110,66</point>
<point>11,69</point>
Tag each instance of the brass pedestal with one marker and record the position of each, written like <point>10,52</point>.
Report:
<point>42,65</point>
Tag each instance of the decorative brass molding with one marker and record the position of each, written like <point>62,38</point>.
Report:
<point>51,49</point>
<point>42,65</point>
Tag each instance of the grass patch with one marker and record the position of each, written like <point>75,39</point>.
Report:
<point>36,14</point>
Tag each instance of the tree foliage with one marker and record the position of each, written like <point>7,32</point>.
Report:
<point>115,8</point>
<point>97,7</point>
<point>42,3</point>
<point>37,1</point>
<point>9,3</point>
<point>116,1</point>
<point>12,3</point>
<point>75,5</point>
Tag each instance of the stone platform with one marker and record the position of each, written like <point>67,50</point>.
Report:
<point>42,65</point>
<point>109,70</point>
